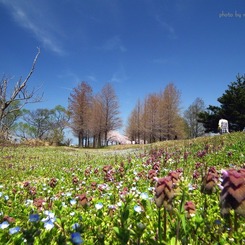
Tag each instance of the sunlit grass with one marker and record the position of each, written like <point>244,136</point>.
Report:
<point>62,195</point>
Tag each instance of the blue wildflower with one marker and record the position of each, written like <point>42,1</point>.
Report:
<point>48,225</point>
<point>28,202</point>
<point>4,225</point>
<point>68,194</point>
<point>98,205</point>
<point>64,204</point>
<point>50,215</point>
<point>217,222</point>
<point>112,207</point>
<point>14,230</point>
<point>190,187</point>
<point>73,201</point>
<point>119,204</point>
<point>144,196</point>
<point>76,238</point>
<point>137,209</point>
<point>75,226</point>
<point>34,217</point>
<point>49,220</point>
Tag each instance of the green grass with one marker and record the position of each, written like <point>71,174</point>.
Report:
<point>117,204</point>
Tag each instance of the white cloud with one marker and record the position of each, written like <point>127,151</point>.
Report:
<point>32,16</point>
<point>66,88</point>
<point>114,43</point>
<point>119,76</point>
<point>167,27</point>
<point>91,78</point>
<point>70,77</point>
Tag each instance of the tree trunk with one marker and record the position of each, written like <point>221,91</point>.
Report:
<point>106,143</point>
<point>80,139</point>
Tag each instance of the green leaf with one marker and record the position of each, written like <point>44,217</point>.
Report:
<point>173,241</point>
<point>116,229</point>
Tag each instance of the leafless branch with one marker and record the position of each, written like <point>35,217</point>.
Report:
<point>20,87</point>
<point>20,93</point>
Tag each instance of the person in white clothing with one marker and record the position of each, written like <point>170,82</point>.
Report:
<point>223,126</point>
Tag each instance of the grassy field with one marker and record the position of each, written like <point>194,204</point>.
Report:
<point>164,193</point>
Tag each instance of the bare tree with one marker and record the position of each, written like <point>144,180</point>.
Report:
<point>170,102</point>
<point>96,122</point>
<point>93,116</point>
<point>19,97</point>
<point>134,124</point>
<point>151,117</point>
<point>159,118</point>
<point>110,109</point>
<point>131,130</point>
<point>80,102</point>
<point>191,116</point>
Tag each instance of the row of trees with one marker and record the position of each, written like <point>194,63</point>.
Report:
<point>89,116</point>
<point>157,117</point>
<point>93,116</point>
<point>43,124</point>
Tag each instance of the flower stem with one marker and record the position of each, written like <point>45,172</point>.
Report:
<point>235,225</point>
<point>159,226</point>
<point>235,222</point>
<point>165,225</point>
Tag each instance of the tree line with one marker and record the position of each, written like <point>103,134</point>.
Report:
<point>43,124</point>
<point>92,116</point>
<point>157,118</point>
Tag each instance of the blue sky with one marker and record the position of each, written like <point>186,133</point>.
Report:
<point>138,45</point>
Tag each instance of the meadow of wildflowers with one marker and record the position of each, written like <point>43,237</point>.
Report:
<point>175,192</point>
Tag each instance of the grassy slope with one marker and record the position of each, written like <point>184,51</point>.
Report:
<point>38,165</point>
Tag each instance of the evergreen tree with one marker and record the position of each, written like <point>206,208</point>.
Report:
<point>210,118</point>
<point>233,104</point>
<point>232,108</point>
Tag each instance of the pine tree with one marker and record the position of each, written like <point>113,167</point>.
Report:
<point>232,108</point>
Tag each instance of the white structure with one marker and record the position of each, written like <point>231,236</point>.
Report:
<point>223,126</point>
